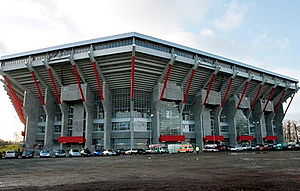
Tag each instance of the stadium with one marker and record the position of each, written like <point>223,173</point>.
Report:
<point>132,90</point>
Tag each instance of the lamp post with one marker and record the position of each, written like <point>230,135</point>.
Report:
<point>150,130</point>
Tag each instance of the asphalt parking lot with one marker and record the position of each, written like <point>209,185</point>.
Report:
<point>278,170</point>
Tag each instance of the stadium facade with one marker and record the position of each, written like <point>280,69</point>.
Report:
<point>132,90</point>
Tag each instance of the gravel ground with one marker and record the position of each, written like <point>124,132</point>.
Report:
<point>206,171</point>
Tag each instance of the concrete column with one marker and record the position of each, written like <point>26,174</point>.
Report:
<point>31,105</point>
<point>89,108</point>
<point>78,119</point>
<point>64,120</point>
<point>218,110</point>
<point>132,124</point>
<point>198,109</point>
<point>155,123</point>
<point>107,106</point>
<point>269,123</point>
<point>50,115</point>
<point>260,127</point>
<point>230,110</point>
<point>278,117</point>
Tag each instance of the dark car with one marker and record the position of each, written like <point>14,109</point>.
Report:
<point>28,154</point>
<point>86,152</point>
<point>120,152</point>
<point>141,151</point>
<point>1,155</point>
<point>222,147</point>
<point>98,152</point>
<point>60,153</point>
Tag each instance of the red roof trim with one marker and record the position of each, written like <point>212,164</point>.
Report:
<point>214,138</point>
<point>271,138</point>
<point>76,139</point>
<point>172,138</point>
<point>245,138</point>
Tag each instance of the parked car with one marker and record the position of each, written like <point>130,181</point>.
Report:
<point>98,152</point>
<point>45,154</point>
<point>281,146</point>
<point>262,147</point>
<point>11,154</point>
<point>120,152</point>
<point>186,149</point>
<point>211,148</point>
<point>246,147</point>
<point>236,148</point>
<point>1,155</point>
<point>74,153</point>
<point>85,152</point>
<point>131,152</point>
<point>222,147</point>
<point>60,153</point>
<point>109,152</point>
<point>270,147</point>
<point>28,154</point>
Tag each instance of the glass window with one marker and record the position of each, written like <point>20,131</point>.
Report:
<point>188,113</point>
<point>41,129</point>
<point>57,128</point>
<point>120,143</point>
<point>42,114</point>
<point>169,119</point>
<point>98,107</point>
<point>98,127</point>
<point>241,123</point>
<point>121,126</point>
<point>121,103</point>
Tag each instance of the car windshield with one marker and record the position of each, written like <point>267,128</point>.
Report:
<point>97,150</point>
<point>10,151</point>
<point>75,150</point>
<point>45,151</point>
<point>110,150</point>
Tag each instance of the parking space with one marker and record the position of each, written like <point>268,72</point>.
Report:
<point>257,170</point>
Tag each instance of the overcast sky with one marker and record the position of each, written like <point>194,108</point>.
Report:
<point>261,33</point>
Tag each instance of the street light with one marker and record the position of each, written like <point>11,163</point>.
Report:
<point>150,130</point>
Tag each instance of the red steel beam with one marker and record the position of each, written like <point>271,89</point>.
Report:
<point>98,80</point>
<point>243,94</point>
<point>166,81</point>
<point>54,86</point>
<point>132,76</point>
<point>279,101</point>
<point>189,86</point>
<point>209,87</point>
<point>78,82</point>
<point>289,104</point>
<point>227,92</point>
<point>256,97</point>
<point>16,101</point>
<point>269,98</point>
<point>38,88</point>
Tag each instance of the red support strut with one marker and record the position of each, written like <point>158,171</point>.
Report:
<point>289,104</point>
<point>279,101</point>
<point>78,82</point>
<point>209,87</point>
<point>166,81</point>
<point>269,98</point>
<point>16,101</point>
<point>54,86</point>
<point>38,88</point>
<point>256,97</point>
<point>98,81</point>
<point>227,92</point>
<point>242,96</point>
<point>189,86</point>
<point>132,76</point>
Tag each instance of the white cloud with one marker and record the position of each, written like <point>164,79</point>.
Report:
<point>233,16</point>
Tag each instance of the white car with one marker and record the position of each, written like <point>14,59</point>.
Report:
<point>109,152</point>
<point>131,152</point>
<point>211,148</point>
<point>74,153</point>
<point>236,148</point>
<point>11,154</point>
<point>45,154</point>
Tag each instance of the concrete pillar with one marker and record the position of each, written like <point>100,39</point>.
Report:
<point>89,108</point>
<point>78,119</point>
<point>132,124</point>
<point>198,109</point>
<point>31,105</point>
<point>50,108</point>
<point>278,117</point>
<point>64,120</point>
<point>259,119</point>
<point>230,110</point>
<point>269,123</point>
<point>107,106</point>
<point>218,110</point>
<point>155,123</point>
